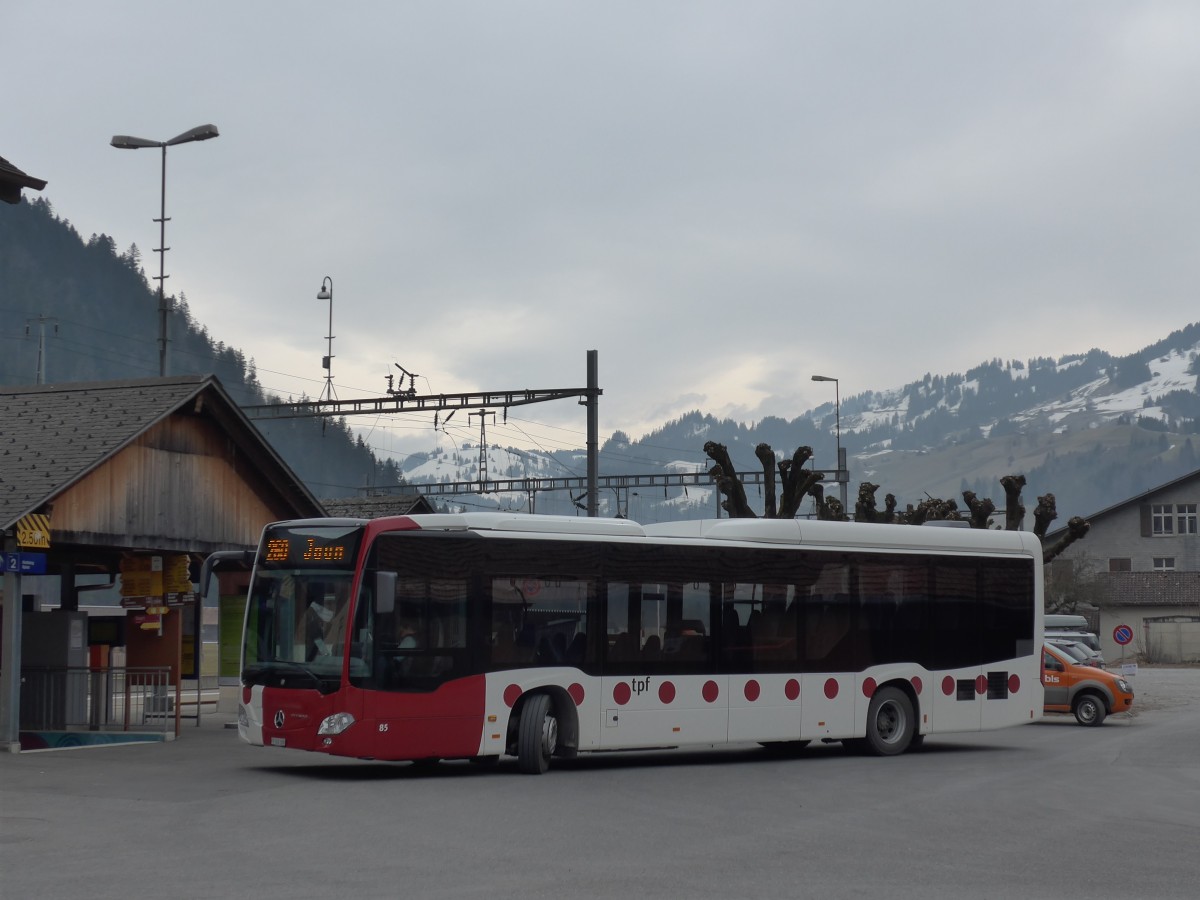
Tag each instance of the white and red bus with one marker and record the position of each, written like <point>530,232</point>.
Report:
<point>488,634</point>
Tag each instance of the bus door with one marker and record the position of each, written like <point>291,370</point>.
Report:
<point>960,687</point>
<point>827,639</point>
<point>659,685</point>
<point>758,649</point>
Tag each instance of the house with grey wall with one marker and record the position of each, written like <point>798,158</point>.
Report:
<point>1142,556</point>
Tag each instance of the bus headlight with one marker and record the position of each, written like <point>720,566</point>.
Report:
<point>336,724</point>
<point>243,719</point>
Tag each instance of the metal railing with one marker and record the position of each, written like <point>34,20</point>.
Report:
<point>78,698</point>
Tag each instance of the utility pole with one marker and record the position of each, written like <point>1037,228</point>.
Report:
<point>483,414</point>
<point>591,402</point>
<point>128,142</point>
<point>41,360</point>
<point>326,293</point>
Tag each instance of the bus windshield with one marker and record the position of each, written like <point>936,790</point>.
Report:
<point>297,618</point>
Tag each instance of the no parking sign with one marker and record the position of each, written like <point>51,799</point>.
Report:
<point>1122,634</point>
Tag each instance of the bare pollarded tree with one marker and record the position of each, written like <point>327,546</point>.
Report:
<point>793,483</point>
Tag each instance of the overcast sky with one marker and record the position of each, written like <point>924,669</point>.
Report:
<point>720,198</point>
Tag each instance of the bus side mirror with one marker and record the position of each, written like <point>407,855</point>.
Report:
<point>385,593</point>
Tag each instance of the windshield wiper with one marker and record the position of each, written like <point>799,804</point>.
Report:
<point>253,671</point>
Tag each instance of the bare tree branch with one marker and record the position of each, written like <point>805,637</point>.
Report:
<point>800,487</point>
<point>1077,527</point>
<point>766,457</point>
<point>981,510</point>
<point>725,476</point>
<point>1044,513</point>
<point>1014,509</point>
<point>795,482</point>
<point>864,508</point>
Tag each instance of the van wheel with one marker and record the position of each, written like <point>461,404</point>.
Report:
<point>890,722</point>
<point>1089,710</point>
<point>537,736</point>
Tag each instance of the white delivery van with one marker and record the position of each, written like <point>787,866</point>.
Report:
<point>1057,622</point>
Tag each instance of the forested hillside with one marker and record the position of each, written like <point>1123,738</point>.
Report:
<point>98,314</point>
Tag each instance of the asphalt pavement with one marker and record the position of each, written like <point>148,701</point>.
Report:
<point>1049,810</point>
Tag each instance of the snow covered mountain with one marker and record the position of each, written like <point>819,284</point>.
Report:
<point>1091,428</point>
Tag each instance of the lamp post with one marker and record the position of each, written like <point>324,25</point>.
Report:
<point>326,293</point>
<point>842,475</point>
<point>126,142</point>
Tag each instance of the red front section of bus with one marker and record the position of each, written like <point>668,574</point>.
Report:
<point>446,723</point>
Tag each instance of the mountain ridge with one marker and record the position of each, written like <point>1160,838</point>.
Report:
<point>1091,428</point>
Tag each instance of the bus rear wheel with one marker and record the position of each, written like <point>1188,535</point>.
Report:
<point>537,735</point>
<point>890,722</point>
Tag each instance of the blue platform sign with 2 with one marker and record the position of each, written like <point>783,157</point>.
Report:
<point>25,563</point>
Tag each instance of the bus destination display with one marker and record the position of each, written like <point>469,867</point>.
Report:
<point>307,548</point>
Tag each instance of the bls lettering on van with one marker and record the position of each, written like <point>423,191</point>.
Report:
<point>1051,679</point>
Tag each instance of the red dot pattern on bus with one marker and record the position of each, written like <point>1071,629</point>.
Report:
<point>246,694</point>
<point>512,694</point>
<point>622,693</point>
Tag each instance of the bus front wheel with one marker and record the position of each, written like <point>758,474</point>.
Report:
<point>537,735</point>
<point>890,722</point>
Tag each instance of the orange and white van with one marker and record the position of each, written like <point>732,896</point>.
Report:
<point>1088,692</point>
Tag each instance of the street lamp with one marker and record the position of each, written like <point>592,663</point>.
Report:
<point>326,293</point>
<point>842,475</point>
<point>126,142</point>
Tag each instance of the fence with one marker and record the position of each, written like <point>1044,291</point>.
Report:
<point>62,698</point>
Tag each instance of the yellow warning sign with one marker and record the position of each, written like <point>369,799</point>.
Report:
<point>33,532</point>
<point>141,576</point>
<point>176,579</point>
<point>149,575</point>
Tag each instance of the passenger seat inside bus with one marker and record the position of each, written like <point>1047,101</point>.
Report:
<point>652,649</point>
<point>578,649</point>
<point>622,649</point>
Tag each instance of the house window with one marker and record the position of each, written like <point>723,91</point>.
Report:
<point>1164,564</point>
<point>1186,518</point>
<point>1162,520</point>
<point>1120,565</point>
